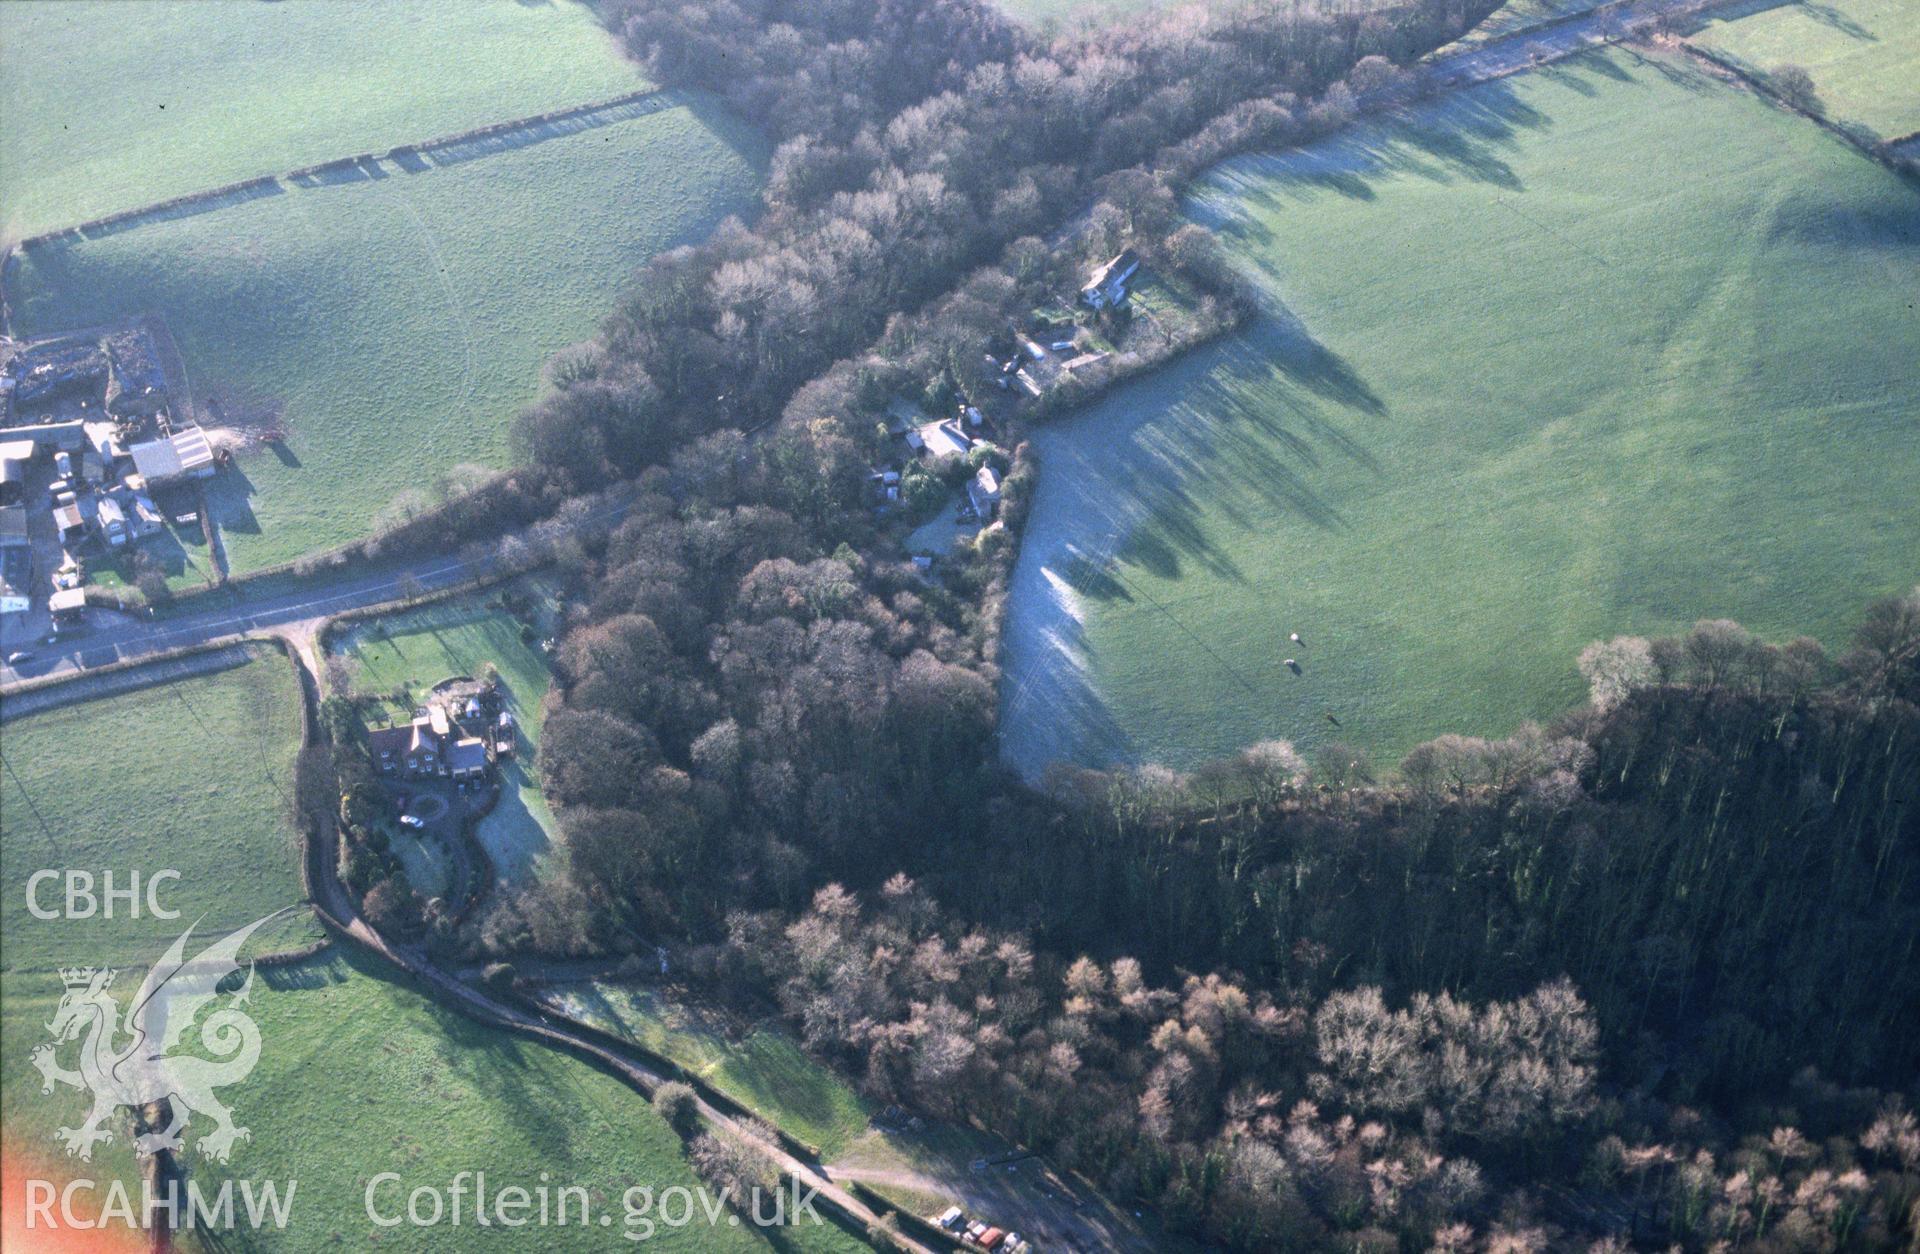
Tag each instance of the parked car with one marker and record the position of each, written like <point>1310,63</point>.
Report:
<point>951,1219</point>
<point>1061,346</point>
<point>19,656</point>
<point>64,499</point>
<point>412,820</point>
<point>63,462</point>
<point>59,487</point>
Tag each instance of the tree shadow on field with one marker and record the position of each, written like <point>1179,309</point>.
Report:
<point>1050,710</point>
<point>325,968</point>
<point>1463,137</point>
<point>1828,16</point>
<point>464,150</point>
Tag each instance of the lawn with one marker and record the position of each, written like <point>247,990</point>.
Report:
<point>1864,55</point>
<point>417,649</point>
<point>763,1068</point>
<point>112,104</point>
<point>390,326</point>
<point>1604,348</point>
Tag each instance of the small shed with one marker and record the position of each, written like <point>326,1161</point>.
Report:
<point>69,605</point>
<point>983,492</point>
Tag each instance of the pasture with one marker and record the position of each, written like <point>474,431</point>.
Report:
<point>112,104</point>
<point>763,1068</point>
<point>361,1074</point>
<point>1604,348</point>
<point>415,650</point>
<point>188,776</point>
<point>193,776</point>
<point>387,321</point>
<point>1864,55</point>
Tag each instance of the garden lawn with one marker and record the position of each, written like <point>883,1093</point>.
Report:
<point>1601,349</point>
<point>417,649</point>
<point>188,776</point>
<point>764,1070</point>
<point>112,104</point>
<point>391,326</point>
<point>1864,55</point>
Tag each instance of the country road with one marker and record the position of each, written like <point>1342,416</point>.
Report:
<point>253,610</point>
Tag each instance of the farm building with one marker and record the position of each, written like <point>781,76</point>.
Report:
<point>112,520</point>
<point>53,368</point>
<point>66,436</point>
<point>1106,287</point>
<point>14,458</point>
<point>69,522</point>
<point>186,454</point>
<point>16,560</point>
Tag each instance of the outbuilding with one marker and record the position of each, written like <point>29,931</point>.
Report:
<point>186,454</point>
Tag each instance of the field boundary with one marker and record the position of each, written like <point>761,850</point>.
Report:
<point>410,157</point>
<point>1886,152</point>
<point>129,675</point>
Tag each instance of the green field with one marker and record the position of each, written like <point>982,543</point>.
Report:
<point>111,104</point>
<point>1864,55</point>
<point>1600,349</point>
<point>390,326</point>
<point>763,1068</point>
<point>360,1074</point>
<point>187,776</point>
<point>192,776</point>
<point>418,649</point>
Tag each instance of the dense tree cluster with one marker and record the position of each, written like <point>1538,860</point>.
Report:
<point>1290,1120</point>
<point>916,142</point>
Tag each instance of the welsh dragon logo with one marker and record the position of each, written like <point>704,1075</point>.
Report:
<point>145,1069</point>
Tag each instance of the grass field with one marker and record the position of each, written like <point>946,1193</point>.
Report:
<point>359,1074</point>
<point>390,326</point>
<point>1600,349</point>
<point>1864,55</point>
<point>111,104</point>
<point>764,1069</point>
<point>418,649</point>
<point>189,777</point>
